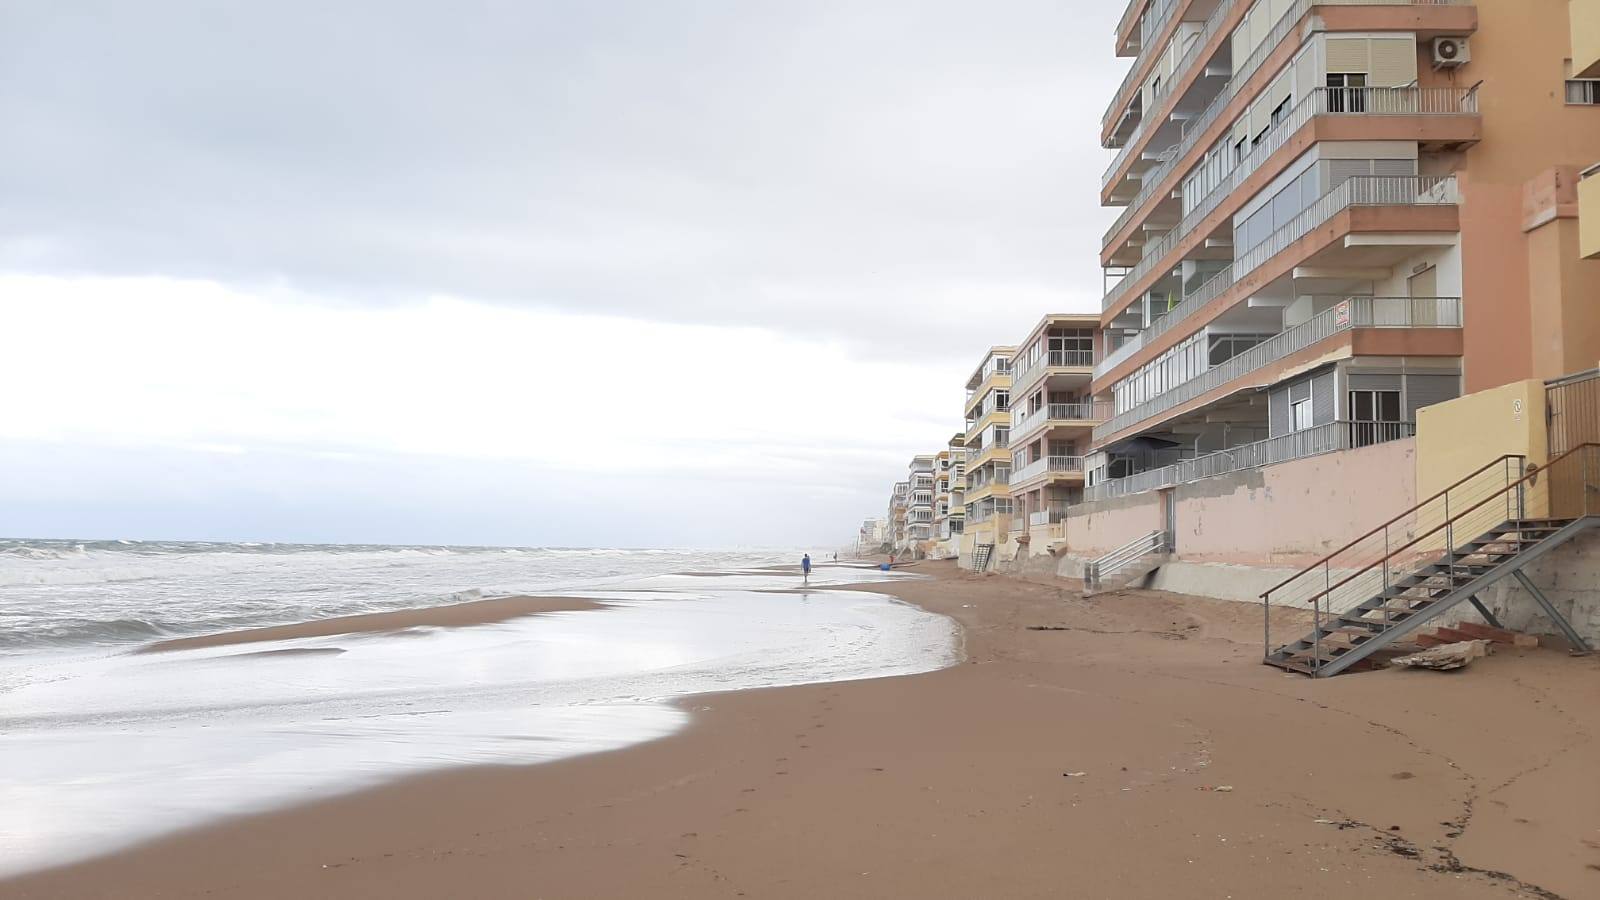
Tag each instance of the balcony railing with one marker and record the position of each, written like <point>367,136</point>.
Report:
<point>1055,359</point>
<point>1155,19</point>
<point>1377,101</point>
<point>1025,423</point>
<point>1047,464</point>
<point>1231,89</point>
<point>1312,441</point>
<point>1320,101</point>
<point>1160,107</point>
<point>1354,312</point>
<point>1404,190</point>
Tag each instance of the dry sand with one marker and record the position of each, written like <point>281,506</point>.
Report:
<point>455,615</point>
<point>1083,761</point>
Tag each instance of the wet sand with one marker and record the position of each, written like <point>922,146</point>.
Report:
<point>455,615</point>
<point>1085,760</point>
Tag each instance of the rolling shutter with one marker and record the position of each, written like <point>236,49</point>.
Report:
<point>1347,55</point>
<point>1305,74</point>
<point>1394,62</point>
<point>1322,399</point>
<point>1426,390</point>
<point>1278,411</point>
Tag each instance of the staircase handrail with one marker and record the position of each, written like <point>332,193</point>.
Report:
<point>1452,486</point>
<point>1447,523</point>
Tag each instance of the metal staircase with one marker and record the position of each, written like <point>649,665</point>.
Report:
<point>1135,559</point>
<point>1363,598</point>
<point>980,556</point>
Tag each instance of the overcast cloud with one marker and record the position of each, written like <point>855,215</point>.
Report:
<point>838,185</point>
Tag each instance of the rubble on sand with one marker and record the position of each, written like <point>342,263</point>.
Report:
<point>1444,656</point>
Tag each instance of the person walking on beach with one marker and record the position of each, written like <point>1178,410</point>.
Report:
<point>805,567</point>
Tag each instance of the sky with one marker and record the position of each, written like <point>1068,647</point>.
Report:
<point>673,273</point>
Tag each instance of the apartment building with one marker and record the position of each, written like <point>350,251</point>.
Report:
<point>895,522</point>
<point>1334,213</point>
<point>919,502</point>
<point>986,442</point>
<point>1053,414</point>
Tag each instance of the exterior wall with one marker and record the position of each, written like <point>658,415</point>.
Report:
<point>1459,436</point>
<point>1292,514</point>
<point>1519,53</point>
<point>1096,528</point>
<point>1238,534</point>
<point>1583,17</point>
<point>1563,287</point>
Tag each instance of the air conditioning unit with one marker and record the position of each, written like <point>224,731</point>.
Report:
<point>1450,51</point>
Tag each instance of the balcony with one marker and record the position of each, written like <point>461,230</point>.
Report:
<point>1161,107</point>
<point>1362,191</point>
<point>1386,102</point>
<point>1049,465</point>
<point>1284,448</point>
<point>1403,101</point>
<point>1086,413</point>
<point>1203,48</point>
<point>1354,312</point>
<point>1024,377</point>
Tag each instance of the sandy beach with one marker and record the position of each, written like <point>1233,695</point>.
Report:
<point>1126,746</point>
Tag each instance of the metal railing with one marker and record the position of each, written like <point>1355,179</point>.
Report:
<point>1024,423</point>
<point>1046,464</point>
<point>1083,359</point>
<point>1152,23</point>
<point>1437,191</point>
<point>1160,108</point>
<point>1194,131</point>
<point>1236,83</point>
<point>1353,312</point>
<point>1096,571</point>
<point>1157,253</point>
<point>1504,490</point>
<point>1314,441</point>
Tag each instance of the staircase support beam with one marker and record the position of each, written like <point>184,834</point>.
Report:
<point>1550,610</point>
<point>1484,611</point>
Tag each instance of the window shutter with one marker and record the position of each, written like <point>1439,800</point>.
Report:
<point>1347,55</point>
<point>1394,167</point>
<point>1426,390</point>
<point>1394,62</point>
<point>1241,44</point>
<point>1305,74</point>
<point>1278,412</point>
<point>1322,399</point>
<point>1342,170</point>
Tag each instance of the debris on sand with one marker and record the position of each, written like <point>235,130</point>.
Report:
<point>1444,657</point>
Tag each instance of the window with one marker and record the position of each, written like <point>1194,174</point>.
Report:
<point>1300,415</point>
<point>1279,113</point>
<point>1345,92</point>
<point>1002,399</point>
<point>1373,416</point>
<point>1583,91</point>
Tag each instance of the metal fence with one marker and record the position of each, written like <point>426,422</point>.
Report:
<point>1314,441</point>
<point>1353,312</point>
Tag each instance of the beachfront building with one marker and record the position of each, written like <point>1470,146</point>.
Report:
<point>895,521</point>
<point>919,504</point>
<point>1053,414</point>
<point>1584,23</point>
<point>1333,213</point>
<point>987,442</point>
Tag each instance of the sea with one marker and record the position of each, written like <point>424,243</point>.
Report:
<point>103,747</point>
